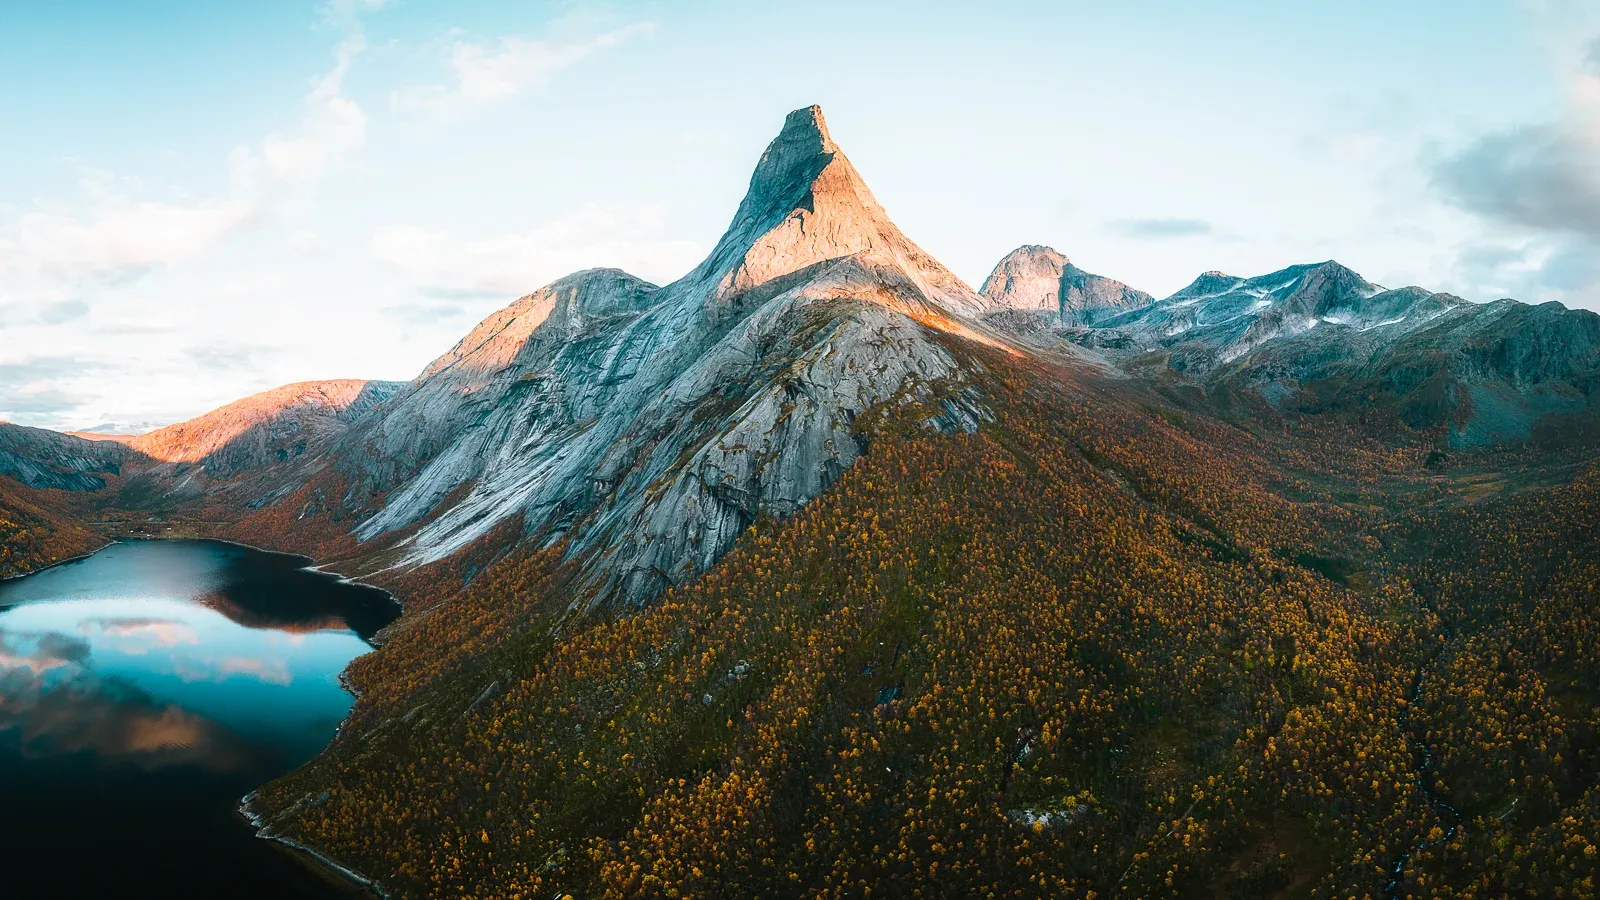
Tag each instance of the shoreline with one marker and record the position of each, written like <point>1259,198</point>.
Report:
<point>317,862</point>
<point>303,854</point>
<point>310,857</point>
<point>63,562</point>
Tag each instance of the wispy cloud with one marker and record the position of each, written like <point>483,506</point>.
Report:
<point>485,74</point>
<point>1162,229</point>
<point>1539,183</point>
<point>46,253</point>
<point>34,369</point>
<point>231,356</point>
<point>42,387</point>
<point>334,125</point>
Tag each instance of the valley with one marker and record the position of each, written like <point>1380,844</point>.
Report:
<point>818,573</point>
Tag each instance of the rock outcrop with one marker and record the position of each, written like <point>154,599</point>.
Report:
<point>1034,278</point>
<point>658,422</point>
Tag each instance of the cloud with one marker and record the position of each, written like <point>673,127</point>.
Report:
<point>36,369</point>
<point>333,126</point>
<point>113,241</point>
<point>509,265</point>
<point>63,312</point>
<point>137,636</point>
<point>1162,229</point>
<point>1534,270</point>
<point>1537,186</point>
<point>485,74</point>
<point>274,671</point>
<point>1546,178</point>
<point>36,653</point>
<point>231,356</point>
<point>35,388</point>
<point>32,404</point>
<point>112,719</point>
<point>119,236</point>
<point>53,704</point>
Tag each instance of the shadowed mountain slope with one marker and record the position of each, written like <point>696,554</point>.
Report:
<point>39,458</point>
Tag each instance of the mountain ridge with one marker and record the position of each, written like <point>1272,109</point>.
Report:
<point>817,572</point>
<point>572,403</point>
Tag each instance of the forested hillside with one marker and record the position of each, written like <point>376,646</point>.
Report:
<point>36,532</point>
<point>815,573</point>
<point>1101,647</point>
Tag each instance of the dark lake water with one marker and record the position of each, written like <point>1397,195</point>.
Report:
<point>145,690</point>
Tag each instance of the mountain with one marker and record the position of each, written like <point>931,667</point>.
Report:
<point>1219,318</point>
<point>274,426</point>
<point>37,530</point>
<point>1037,279</point>
<point>39,458</point>
<point>659,422</point>
<point>1320,339</point>
<point>816,573</point>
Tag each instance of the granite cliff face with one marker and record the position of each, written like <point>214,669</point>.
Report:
<point>1037,279</point>
<point>658,422</point>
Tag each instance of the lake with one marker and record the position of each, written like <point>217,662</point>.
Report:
<point>147,688</point>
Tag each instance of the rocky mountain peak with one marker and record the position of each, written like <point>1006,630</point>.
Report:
<point>1027,278</point>
<point>570,301</point>
<point>788,169</point>
<point>807,204</point>
<point>1034,277</point>
<point>1208,284</point>
<point>1328,287</point>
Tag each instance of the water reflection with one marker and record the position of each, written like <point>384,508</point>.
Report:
<point>194,669</point>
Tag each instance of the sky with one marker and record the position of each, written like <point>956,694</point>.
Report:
<point>202,200</point>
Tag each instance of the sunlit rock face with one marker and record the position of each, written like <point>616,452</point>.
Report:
<point>657,422</point>
<point>1033,278</point>
<point>272,427</point>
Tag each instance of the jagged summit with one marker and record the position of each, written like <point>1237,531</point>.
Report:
<point>659,422</point>
<point>1036,278</point>
<point>807,204</point>
<point>1028,277</point>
